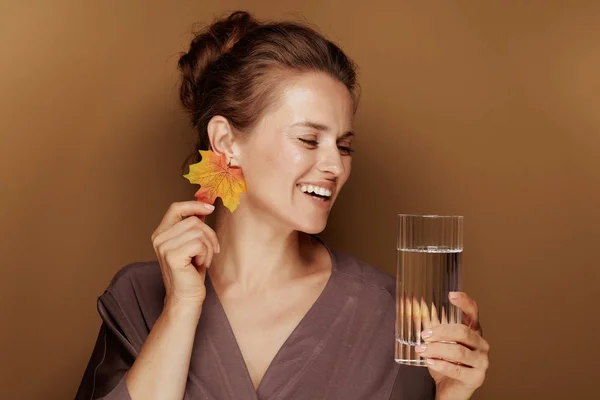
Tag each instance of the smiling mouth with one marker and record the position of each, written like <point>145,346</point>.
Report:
<point>316,192</point>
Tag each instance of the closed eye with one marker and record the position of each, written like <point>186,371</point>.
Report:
<point>344,150</point>
<point>309,142</point>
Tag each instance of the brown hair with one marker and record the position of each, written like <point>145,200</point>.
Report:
<point>233,66</point>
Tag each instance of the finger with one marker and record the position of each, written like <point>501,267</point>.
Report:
<point>402,297</point>
<point>188,224</point>
<point>456,333</point>
<point>407,308</point>
<point>178,254</point>
<point>199,250</point>
<point>407,312</point>
<point>435,319</point>
<point>181,210</point>
<point>470,377</point>
<point>205,258</point>
<point>425,315</point>
<point>455,353</point>
<point>444,317</point>
<point>196,253</point>
<point>469,308</point>
<point>193,223</point>
<point>172,239</point>
<point>201,256</point>
<point>212,237</point>
<point>416,313</point>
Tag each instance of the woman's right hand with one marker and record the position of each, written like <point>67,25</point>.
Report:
<point>185,246</point>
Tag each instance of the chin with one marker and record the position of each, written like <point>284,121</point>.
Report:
<point>313,228</point>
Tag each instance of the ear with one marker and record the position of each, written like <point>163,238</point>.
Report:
<point>222,139</point>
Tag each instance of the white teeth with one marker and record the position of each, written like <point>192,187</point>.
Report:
<point>316,189</point>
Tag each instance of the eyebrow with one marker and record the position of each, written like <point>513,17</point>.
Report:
<point>320,127</point>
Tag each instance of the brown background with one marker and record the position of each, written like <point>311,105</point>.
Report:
<point>483,108</point>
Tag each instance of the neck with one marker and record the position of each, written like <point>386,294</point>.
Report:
<point>255,252</point>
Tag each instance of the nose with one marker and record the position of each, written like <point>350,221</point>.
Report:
<point>330,162</point>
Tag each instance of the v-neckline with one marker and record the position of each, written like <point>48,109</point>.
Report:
<point>319,329</point>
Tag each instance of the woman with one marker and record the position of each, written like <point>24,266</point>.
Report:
<point>259,308</point>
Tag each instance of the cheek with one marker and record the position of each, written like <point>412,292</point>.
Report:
<point>347,168</point>
<point>296,157</point>
<point>290,159</point>
<point>280,167</point>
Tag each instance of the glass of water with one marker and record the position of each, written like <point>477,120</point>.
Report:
<point>429,253</point>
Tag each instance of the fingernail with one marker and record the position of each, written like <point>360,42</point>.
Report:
<point>420,348</point>
<point>209,206</point>
<point>430,361</point>
<point>426,334</point>
<point>453,295</point>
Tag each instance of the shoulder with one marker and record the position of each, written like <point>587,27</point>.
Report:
<point>135,296</point>
<point>141,277</point>
<point>367,276</point>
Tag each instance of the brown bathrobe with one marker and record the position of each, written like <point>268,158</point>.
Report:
<point>343,348</point>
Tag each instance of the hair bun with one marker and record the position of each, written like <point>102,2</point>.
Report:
<point>206,48</point>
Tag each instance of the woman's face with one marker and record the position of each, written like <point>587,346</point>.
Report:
<point>298,156</point>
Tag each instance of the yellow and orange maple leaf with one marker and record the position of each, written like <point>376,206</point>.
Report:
<point>217,180</point>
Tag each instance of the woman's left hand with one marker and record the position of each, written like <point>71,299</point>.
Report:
<point>459,367</point>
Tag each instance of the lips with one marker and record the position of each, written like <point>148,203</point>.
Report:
<point>322,201</point>
<point>315,190</point>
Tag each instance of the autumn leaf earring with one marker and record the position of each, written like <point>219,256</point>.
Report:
<point>217,178</point>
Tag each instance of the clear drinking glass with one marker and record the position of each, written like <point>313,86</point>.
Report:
<point>429,253</point>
